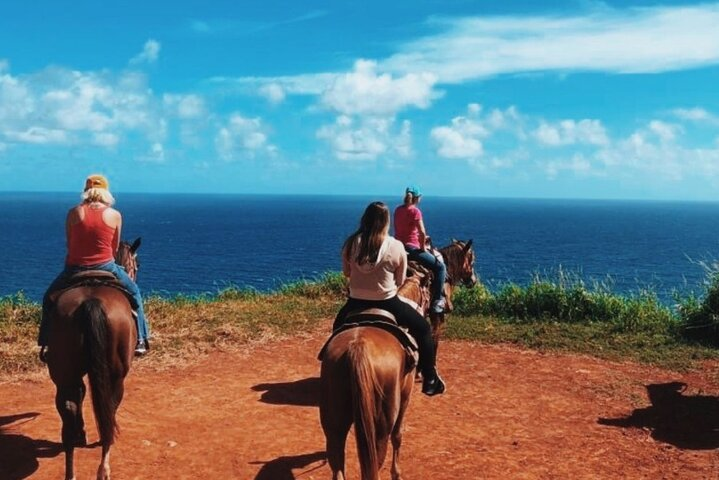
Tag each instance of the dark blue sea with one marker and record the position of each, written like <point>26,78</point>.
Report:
<point>193,244</point>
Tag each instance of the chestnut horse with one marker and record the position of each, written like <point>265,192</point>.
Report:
<point>93,333</point>
<point>459,258</point>
<point>366,379</point>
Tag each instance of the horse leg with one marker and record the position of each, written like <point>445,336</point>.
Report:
<point>81,437</point>
<point>118,391</point>
<point>336,419</point>
<point>396,471</point>
<point>335,416</point>
<point>103,471</point>
<point>437,322</point>
<point>336,440</point>
<point>68,401</point>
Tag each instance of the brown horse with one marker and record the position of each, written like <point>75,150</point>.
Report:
<point>366,379</point>
<point>459,258</point>
<point>93,333</point>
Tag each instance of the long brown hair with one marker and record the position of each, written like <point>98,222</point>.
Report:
<point>373,224</point>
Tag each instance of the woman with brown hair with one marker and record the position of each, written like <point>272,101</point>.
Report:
<point>376,265</point>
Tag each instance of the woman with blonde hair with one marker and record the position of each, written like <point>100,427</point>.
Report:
<point>376,265</point>
<point>93,229</point>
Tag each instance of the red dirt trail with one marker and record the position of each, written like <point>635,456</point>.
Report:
<point>508,414</point>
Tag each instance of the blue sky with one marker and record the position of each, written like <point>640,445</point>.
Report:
<point>567,99</point>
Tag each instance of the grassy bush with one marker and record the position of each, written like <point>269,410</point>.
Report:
<point>559,313</point>
<point>568,301</point>
<point>700,316</point>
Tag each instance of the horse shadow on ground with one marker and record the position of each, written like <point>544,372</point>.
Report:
<point>688,422</point>
<point>281,468</point>
<point>303,393</point>
<point>19,453</point>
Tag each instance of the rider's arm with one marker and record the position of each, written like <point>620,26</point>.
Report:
<point>400,273</point>
<point>118,234</point>
<point>422,234</point>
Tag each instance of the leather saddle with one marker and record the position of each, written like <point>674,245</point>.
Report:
<point>88,278</point>
<point>384,320</point>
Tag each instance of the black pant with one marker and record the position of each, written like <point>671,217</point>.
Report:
<point>407,317</point>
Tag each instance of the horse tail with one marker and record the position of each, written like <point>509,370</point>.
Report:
<point>365,393</point>
<point>94,324</point>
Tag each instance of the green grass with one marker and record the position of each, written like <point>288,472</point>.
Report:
<point>559,314</point>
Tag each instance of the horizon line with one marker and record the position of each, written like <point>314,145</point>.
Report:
<point>301,194</point>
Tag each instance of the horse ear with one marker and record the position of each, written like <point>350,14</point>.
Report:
<point>136,244</point>
<point>467,246</point>
<point>453,240</point>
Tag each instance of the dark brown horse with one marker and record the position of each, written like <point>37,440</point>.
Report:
<point>93,333</point>
<point>366,379</point>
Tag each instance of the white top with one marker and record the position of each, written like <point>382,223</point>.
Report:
<point>381,279</point>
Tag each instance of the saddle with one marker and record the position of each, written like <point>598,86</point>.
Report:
<point>88,278</point>
<point>384,320</point>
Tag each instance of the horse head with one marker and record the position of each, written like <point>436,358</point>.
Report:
<point>416,286</point>
<point>126,257</point>
<point>459,258</point>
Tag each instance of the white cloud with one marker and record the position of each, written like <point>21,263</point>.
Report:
<point>578,165</point>
<point>60,106</point>
<point>632,40</point>
<point>150,53</point>
<point>157,152</point>
<point>16,101</point>
<point>665,131</point>
<point>453,143</point>
<point>38,135</point>
<point>306,84</point>
<point>403,142</point>
<point>242,137</point>
<point>463,137</point>
<point>570,132</point>
<point>696,114</point>
<point>367,138</point>
<point>185,107</point>
<point>273,92</point>
<point>364,92</point>
<point>107,140</point>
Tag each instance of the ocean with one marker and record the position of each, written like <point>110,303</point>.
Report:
<point>194,244</point>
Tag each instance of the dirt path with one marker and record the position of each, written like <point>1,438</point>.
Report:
<point>509,414</point>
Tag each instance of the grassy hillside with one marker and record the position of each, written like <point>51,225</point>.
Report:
<point>558,314</point>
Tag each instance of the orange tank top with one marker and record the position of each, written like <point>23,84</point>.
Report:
<point>90,241</point>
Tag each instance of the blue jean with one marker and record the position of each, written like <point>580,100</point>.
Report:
<point>143,331</point>
<point>439,269</point>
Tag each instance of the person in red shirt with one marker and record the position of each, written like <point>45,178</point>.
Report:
<point>93,230</point>
<point>409,229</point>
